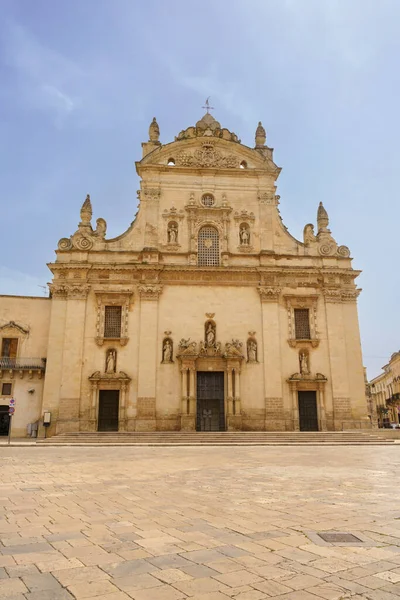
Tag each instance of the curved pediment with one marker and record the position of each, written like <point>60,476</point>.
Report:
<point>208,152</point>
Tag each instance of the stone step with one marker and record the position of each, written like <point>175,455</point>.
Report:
<point>182,438</point>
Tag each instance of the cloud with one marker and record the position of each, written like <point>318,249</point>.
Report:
<point>17,283</point>
<point>45,79</point>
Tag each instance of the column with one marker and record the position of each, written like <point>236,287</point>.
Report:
<point>271,356</point>
<point>122,406</point>
<point>184,405</point>
<point>321,406</point>
<point>238,407</point>
<point>338,361</point>
<point>229,374</point>
<point>192,390</point>
<point>72,361</point>
<point>55,348</point>
<point>295,406</point>
<point>147,372</point>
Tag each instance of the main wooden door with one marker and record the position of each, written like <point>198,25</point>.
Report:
<point>210,401</point>
<point>308,414</point>
<point>4,419</point>
<point>108,410</point>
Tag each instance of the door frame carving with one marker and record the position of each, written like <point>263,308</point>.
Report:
<point>109,381</point>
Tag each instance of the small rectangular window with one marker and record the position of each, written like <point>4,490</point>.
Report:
<point>9,347</point>
<point>112,321</point>
<point>6,389</point>
<point>302,323</point>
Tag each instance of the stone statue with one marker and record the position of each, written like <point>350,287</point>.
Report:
<point>252,351</point>
<point>167,352</point>
<point>308,234</point>
<point>101,228</point>
<point>154,131</point>
<point>111,361</point>
<point>172,233</point>
<point>244,236</point>
<point>304,368</point>
<point>210,335</point>
<point>260,135</point>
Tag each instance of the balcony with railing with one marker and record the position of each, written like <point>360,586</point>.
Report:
<point>22,365</point>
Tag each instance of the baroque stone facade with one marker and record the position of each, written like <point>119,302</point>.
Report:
<point>206,313</point>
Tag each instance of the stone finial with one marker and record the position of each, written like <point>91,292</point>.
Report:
<point>154,131</point>
<point>322,218</point>
<point>261,136</point>
<point>86,212</point>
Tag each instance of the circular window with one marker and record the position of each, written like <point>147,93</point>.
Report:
<point>208,200</point>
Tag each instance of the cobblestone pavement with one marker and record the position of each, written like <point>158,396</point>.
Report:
<point>201,523</point>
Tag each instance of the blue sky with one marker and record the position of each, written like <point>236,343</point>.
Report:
<point>81,81</point>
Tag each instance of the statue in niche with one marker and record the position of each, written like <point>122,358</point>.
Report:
<point>304,366</point>
<point>252,351</point>
<point>172,233</point>
<point>308,234</point>
<point>210,334</point>
<point>167,351</point>
<point>244,236</point>
<point>111,361</point>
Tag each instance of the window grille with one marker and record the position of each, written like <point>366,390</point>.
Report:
<point>112,321</point>
<point>6,389</point>
<point>208,200</point>
<point>208,247</point>
<point>302,323</point>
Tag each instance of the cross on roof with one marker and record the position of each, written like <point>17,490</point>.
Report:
<point>207,105</point>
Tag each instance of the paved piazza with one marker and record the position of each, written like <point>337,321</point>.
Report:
<point>202,523</point>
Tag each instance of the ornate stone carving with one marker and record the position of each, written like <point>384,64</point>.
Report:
<point>111,361</point>
<point>210,334</point>
<point>244,235</point>
<point>105,298</point>
<point>154,131</point>
<point>173,214</point>
<point>172,232</point>
<point>260,136</point>
<point>308,234</point>
<point>207,156</point>
<point>337,295</point>
<point>322,218</point>
<point>251,350</point>
<point>101,228</point>
<point>167,351</point>
<point>304,362</point>
<point>62,291</point>
<point>233,349</point>
<point>65,244</point>
<point>269,293</point>
<point>267,198</point>
<point>207,127</point>
<point>309,302</point>
<point>149,291</point>
<point>244,216</point>
<point>82,242</point>
<point>343,252</point>
<point>150,193</point>
<point>86,213</point>
<point>14,325</point>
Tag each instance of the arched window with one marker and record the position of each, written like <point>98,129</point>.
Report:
<point>208,247</point>
<point>171,162</point>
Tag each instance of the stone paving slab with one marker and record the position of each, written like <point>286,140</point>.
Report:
<point>204,523</point>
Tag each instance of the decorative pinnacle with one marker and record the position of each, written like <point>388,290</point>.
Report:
<point>322,218</point>
<point>154,131</point>
<point>86,211</point>
<point>261,136</point>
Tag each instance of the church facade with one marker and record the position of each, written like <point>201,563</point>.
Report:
<point>206,314</point>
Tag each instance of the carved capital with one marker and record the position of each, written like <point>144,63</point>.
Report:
<point>72,292</point>
<point>269,293</point>
<point>149,291</point>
